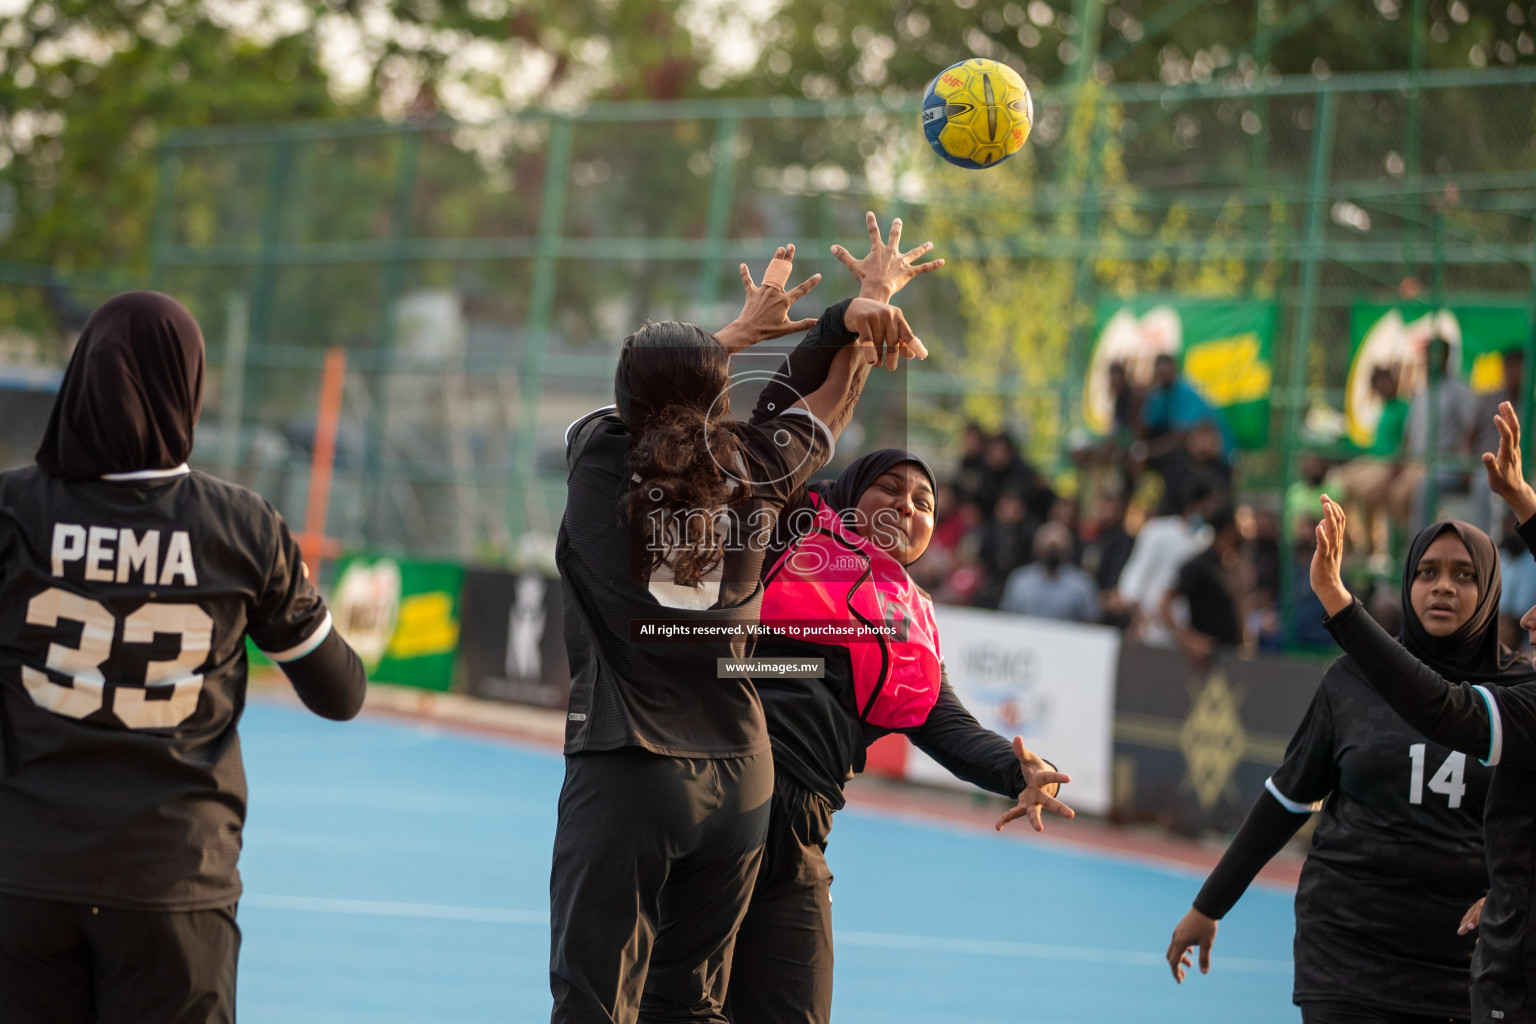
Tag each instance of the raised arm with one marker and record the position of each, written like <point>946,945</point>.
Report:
<point>1461,716</point>
<point>765,309</point>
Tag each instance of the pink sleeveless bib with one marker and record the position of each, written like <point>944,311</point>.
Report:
<point>829,584</point>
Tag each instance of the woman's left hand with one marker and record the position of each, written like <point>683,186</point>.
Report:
<point>1328,559</point>
<point>765,312</point>
<point>1041,784</point>
<point>1506,475</point>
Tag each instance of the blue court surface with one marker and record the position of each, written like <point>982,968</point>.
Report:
<point>399,873</point>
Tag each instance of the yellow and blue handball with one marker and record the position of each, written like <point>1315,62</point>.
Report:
<point>977,113</point>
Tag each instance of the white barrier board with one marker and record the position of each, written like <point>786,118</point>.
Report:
<point>1051,682</point>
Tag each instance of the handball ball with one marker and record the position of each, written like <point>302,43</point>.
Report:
<point>977,113</point>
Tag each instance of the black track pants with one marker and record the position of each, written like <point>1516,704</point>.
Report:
<point>74,963</point>
<point>654,861</point>
<point>1357,1013</point>
<point>782,972</point>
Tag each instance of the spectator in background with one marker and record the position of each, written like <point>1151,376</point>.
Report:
<point>973,445</point>
<point>1202,459</point>
<point>1262,552</point>
<point>1303,496</point>
<point>1212,620</point>
<point>1004,469</point>
<point>1064,511</point>
<point>1051,587</point>
<point>1485,435</point>
<point>1109,545</point>
<point>966,580</point>
<point>1452,440</point>
<point>1007,542</point>
<point>1164,544</point>
<point>1171,409</point>
<point>1365,481</point>
<point>1519,594</point>
<point>1126,404</point>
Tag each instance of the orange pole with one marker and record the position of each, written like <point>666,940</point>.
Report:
<point>314,542</point>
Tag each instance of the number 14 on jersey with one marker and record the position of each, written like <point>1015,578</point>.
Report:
<point>1447,781</point>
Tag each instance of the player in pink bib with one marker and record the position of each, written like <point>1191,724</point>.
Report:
<point>837,592</point>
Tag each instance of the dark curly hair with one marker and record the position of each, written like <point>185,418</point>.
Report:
<point>672,390</point>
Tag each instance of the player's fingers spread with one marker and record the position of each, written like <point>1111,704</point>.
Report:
<point>873,226</point>
<point>1035,820</point>
<point>801,289</point>
<point>789,251</point>
<point>1205,958</point>
<point>746,276</point>
<point>923,268</point>
<point>917,252</point>
<point>844,257</point>
<point>1055,806</point>
<point>803,325</point>
<point>1009,815</point>
<point>895,232</point>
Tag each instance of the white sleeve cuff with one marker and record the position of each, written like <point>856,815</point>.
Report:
<point>1495,727</point>
<point>1291,805</point>
<point>825,430</point>
<point>298,650</point>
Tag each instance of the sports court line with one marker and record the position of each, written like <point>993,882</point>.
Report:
<point>1042,951</point>
<point>389,908</point>
<point>875,940</point>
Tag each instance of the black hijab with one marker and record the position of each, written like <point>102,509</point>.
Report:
<point>132,392</point>
<point>1472,653</point>
<point>843,495</point>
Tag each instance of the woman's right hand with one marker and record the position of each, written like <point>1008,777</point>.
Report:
<point>886,270</point>
<point>1194,930</point>
<point>883,332</point>
<point>1506,475</point>
<point>1328,559</point>
<point>1472,918</point>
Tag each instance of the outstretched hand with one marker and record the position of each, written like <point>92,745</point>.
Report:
<point>1328,559</point>
<point>886,270</point>
<point>884,334</point>
<point>1506,475</point>
<point>765,311</point>
<point>1194,930</point>
<point>1041,784</point>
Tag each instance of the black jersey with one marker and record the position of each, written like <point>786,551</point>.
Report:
<point>124,608</point>
<point>1497,726</point>
<point>1396,858</point>
<point>629,690</point>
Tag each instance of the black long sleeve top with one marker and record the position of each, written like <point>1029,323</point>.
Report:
<point>1496,725</point>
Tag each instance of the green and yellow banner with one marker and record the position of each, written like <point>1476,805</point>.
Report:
<point>401,616</point>
<point>1223,348</point>
<point>1395,336</point>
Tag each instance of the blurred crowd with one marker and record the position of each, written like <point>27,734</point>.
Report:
<point>1161,541</point>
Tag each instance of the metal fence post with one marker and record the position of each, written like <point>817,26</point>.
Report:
<point>720,192</point>
<point>264,290</point>
<point>1306,320</point>
<point>390,284</point>
<point>540,312</point>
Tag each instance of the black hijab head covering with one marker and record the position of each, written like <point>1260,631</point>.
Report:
<point>131,394</point>
<point>843,495</point>
<point>1472,653</point>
